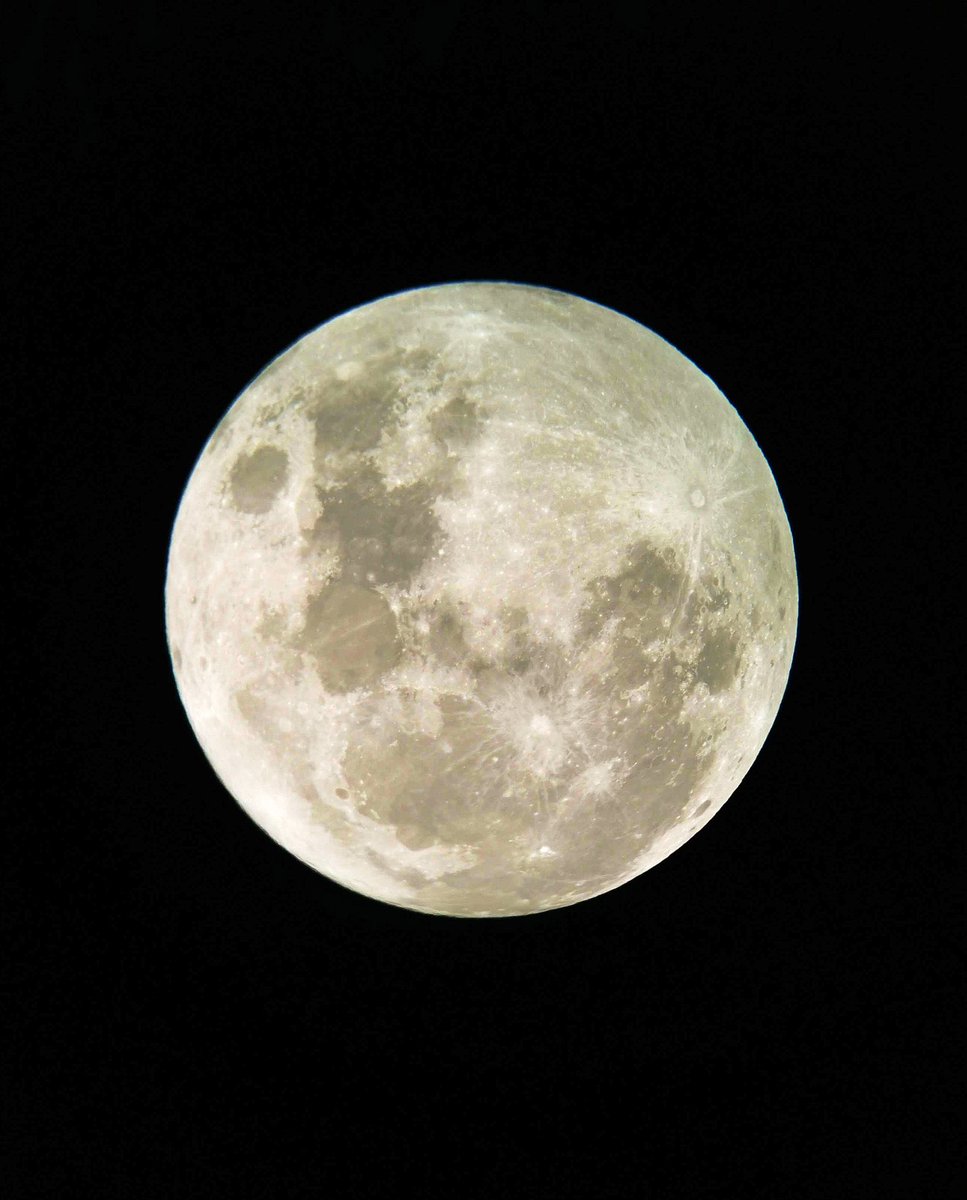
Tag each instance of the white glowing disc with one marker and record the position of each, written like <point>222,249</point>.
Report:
<point>481,599</point>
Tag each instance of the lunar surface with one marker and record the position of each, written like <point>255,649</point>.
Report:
<point>481,599</point>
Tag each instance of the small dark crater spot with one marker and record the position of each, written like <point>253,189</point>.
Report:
<point>257,478</point>
<point>342,793</point>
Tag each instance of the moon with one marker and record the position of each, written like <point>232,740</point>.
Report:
<point>481,599</point>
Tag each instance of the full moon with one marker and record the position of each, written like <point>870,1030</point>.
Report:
<point>481,599</point>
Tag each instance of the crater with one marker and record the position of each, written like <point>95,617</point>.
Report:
<point>257,478</point>
<point>350,632</point>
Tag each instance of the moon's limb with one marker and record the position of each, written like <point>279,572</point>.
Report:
<point>481,599</point>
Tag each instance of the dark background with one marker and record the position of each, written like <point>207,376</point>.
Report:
<point>771,1011</point>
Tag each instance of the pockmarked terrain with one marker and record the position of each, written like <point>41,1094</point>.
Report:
<point>481,599</point>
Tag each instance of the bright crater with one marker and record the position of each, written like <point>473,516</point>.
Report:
<point>481,599</point>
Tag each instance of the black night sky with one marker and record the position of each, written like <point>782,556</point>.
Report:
<point>769,1012</point>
